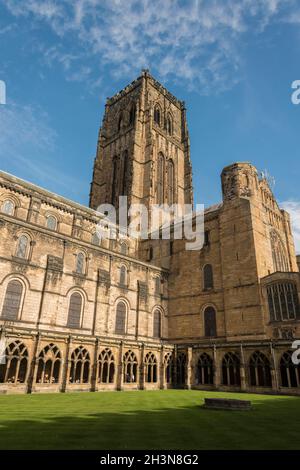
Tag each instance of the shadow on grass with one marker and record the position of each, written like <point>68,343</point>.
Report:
<point>272,424</point>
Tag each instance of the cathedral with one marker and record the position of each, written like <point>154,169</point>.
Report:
<point>84,313</point>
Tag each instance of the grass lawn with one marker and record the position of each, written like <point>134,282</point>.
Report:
<point>171,419</point>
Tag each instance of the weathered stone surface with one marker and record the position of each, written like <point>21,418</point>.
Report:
<point>186,328</point>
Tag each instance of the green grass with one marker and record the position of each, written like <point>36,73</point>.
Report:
<point>171,419</point>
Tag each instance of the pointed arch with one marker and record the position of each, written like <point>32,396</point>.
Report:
<point>114,181</point>
<point>289,372</point>
<point>49,363</point>
<point>132,114</point>
<point>205,370</point>
<point>130,367</point>
<point>125,168</point>
<point>157,114</point>
<point>171,179</point>
<point>80,366</point>
<point>181,364</point>
<point>169,124</point>
<point>280,258</point>
<point>106,367</point>
<point>15,369</point>
<point>169,367</point>
<point>160,178</point>
<point>231,369</point>
<point>151,368</point>
<point>260,370</point>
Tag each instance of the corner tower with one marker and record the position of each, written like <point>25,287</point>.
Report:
<point>143,148</point>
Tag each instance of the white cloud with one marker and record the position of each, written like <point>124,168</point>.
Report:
<point>196,41</point>
<point>293,207</point>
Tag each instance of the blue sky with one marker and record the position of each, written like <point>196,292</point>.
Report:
<point>233,62</point>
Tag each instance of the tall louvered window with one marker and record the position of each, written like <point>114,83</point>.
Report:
<point>160,179</point>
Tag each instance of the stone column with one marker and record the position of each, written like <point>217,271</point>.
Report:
<point>243,370</point>
<point>174,378</point>
<point>189,368</point>
<point>217,370</point>
<point>33,366</point>
<point>120,368</point>
<point>162,384</point>
<point>274,370</point>
<point>3,346</point>
<point>94,378</point>
<point>142,368</point>
<point>66,365</point>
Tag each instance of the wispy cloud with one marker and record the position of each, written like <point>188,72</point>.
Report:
<point>293,207</point>
<point>195,41</point>
<point>27,143</point>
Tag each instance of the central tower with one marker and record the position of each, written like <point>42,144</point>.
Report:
<point>143,148</point>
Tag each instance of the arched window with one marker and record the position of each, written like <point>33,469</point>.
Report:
<point>106,367</point>
<point>160,179</point>
<point>130,367</point>
<point>208,277</point>
<point>95,239</point>
<point>210,325</point>
<point>120,121</point>
<point>151,368</point>
<point>157,115</point>
<point>16,363</point>
<point>205,370</point>
<point>283,301</point>
<point>157,285</point>
<point>123,276</point>
<point>231,369</point>
<point>125,165</point>
<point>124,248</point>
<point>169,367</point>
<point>51,222</point>
<point>120,327</point>
<point>49,363</point>
<point>170,182</point>
<point>80,258</point>
<point>114,180</point>
<point>157,324</point>
<point>132,114</point>
<point>12,300</point>
<point>169,125</point>
<point>75,308</point>
<point>80,366</point>
<point>280,259</point>
<point>22,247</point>
<point>8,207</point>
<point>181,368</point>
<point>260,370</point>
<point>289,372</point>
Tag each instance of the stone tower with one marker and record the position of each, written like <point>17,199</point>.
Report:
<point>143,148</point>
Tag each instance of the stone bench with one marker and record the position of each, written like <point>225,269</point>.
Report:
<point>227,404</point>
